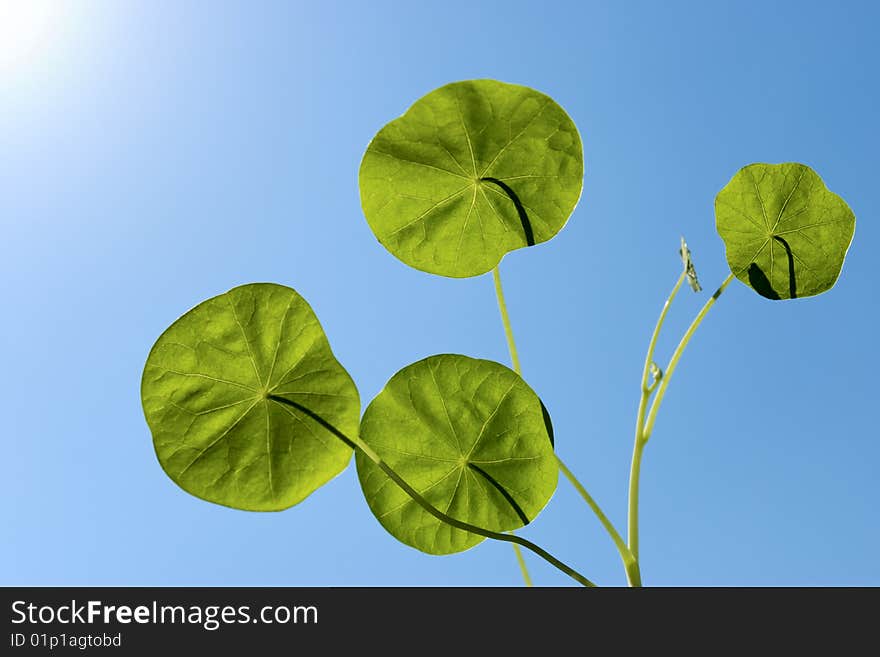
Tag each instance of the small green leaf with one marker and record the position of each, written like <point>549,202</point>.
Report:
<point>471,437</point>
<point>211,389</point>
<point>785,233</point>
<point>472,171</point>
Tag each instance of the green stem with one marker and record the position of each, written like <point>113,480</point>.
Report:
<point>358,444</point>
<point>505,319</point>
<point>676,356</point>
<point>645,425</point>
<point>634,576</point>
<point>625,554</point>
<point>514,357</point>
<point>522,565</point>
<point>635,467</point>
<point>507,538</point>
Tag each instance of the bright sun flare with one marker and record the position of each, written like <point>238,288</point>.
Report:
<point>24,29</point>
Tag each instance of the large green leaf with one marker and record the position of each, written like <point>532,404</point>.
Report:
<point>470,436</point>
<point>472,171</point>
<point>786,234</point>
<point>229,392</point>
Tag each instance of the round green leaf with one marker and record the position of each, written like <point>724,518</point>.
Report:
<point>472,171</point>
<point>785,233</point>
<point>229,392</point>
<point>470,436</point>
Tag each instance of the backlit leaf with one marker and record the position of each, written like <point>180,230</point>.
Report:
<point>228,390</point>
<point>785,233</point>
<point>471,437</point>
<point>470,172</point>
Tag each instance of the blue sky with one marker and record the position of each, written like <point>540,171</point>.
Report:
<point>156,154</point>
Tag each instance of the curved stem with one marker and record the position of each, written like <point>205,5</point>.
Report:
<point>514,357</point>
<point>636,465</point>
<point>508,538</point>
<point>645,425</point>
<point>649,357</point>
<point>358,444</point>
<point>625,554</point>
<point>634,576</point>
<point>676,356</point>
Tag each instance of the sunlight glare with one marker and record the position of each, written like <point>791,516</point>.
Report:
<point>25,27</point>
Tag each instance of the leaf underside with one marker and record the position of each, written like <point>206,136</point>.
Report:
<point>472,171</point>
<point>471,437</point>
<point>207,392</point>
<point>786,235</point>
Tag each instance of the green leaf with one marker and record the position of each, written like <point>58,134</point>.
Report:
<point>228,390</point>
<point>785,233</point>
<point>472,171</point>
<point>471,437</point>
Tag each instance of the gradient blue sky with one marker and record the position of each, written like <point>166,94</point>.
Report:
<point>155,154</point>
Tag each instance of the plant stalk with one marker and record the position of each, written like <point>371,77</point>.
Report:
<point>645,425</point>
<point>676,356</point>
<point>635,468</point>
<point>625,554</point>
<point>358,444</point>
